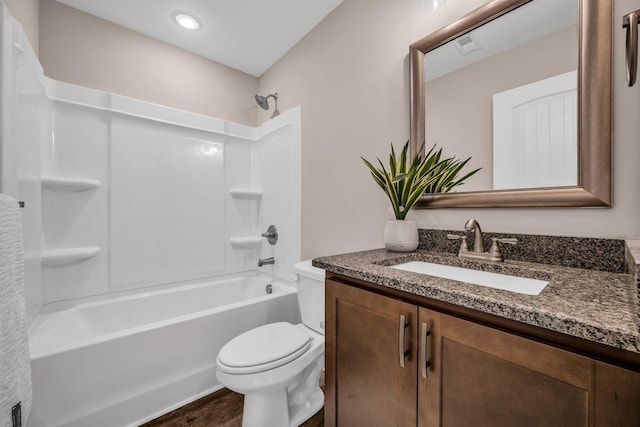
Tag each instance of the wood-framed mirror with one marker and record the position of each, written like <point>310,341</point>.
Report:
<point>592,184</point>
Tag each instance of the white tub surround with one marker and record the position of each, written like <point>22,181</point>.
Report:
<point>158,201</point>
<point>26,124</point>
<point>124,197</point>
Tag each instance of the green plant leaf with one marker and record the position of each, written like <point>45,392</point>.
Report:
<point>407,179</point>
<point>391,190</point>
<point>376,174</point>
<point>401,177</point>
<point>393,164</point>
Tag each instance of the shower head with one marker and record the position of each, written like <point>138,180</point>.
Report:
<point>263,100</point>
<point>264,103</point>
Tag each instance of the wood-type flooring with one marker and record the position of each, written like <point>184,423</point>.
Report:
<point>220,409</point>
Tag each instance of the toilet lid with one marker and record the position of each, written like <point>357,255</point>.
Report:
<point>262,348</point>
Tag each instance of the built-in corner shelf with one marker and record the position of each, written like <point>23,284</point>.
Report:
<point>60,257</point>
<point>245,193</point>
<point>69,184</point>
<point>245,242</point>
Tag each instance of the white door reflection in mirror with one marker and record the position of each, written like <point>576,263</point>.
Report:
<point>535,134</point>
<point>534,42</point>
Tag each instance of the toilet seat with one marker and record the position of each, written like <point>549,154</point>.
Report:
<point>263,348</point>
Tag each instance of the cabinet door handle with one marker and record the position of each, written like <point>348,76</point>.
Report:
<point>402,352</point>
<point>424,349</point>
<point>630,22</point>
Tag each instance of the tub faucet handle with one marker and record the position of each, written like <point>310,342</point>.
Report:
<point>271,235</point>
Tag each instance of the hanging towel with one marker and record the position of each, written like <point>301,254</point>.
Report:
<point>15,368</point>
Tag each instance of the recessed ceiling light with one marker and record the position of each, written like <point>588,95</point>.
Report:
<point>186,21</point>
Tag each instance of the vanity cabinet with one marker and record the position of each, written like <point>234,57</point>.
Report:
<point>395,363</point>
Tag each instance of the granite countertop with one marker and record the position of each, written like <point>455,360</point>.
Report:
<point>594,305</point>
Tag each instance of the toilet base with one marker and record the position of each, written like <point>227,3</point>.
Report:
<point>259,409</point>
<point>288,407</point>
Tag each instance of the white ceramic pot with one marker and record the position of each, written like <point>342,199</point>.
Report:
<point>401,235</point>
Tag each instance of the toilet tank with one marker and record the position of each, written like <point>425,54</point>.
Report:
<point>310,282</point>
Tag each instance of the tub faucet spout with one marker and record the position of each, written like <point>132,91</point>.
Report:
<point>266,261</point>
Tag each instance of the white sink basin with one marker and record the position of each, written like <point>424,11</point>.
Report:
<point>517,284</point>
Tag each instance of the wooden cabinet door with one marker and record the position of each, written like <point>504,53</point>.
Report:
<point>365,382</point>
<point>483,377</point>
<point>617,396</point>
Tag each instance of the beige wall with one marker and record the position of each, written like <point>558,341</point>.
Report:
<point>350,74</point>
<point>26,12</point>
<point>459,105</point>
<point>78,48</point>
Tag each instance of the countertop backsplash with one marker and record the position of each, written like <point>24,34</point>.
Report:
<point>632,260</point>
<point>575,252</point>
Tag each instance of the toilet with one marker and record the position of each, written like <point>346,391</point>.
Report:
<point>277,366</point>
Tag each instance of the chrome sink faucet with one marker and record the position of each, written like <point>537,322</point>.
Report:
<point>478,251</point>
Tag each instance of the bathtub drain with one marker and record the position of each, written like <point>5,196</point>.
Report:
<point>269,289</point>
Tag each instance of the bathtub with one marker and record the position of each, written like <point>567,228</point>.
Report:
<point>126,360</point>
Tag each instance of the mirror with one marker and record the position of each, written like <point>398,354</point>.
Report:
<point>524,88</point>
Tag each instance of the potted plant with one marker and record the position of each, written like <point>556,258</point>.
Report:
<point>404,182</point>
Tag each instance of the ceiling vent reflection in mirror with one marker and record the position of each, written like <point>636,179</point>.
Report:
<point>466,44</point>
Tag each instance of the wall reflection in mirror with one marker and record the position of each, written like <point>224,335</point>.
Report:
<point>505,93</point>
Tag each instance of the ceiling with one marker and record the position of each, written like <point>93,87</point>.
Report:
<point>248,35</point>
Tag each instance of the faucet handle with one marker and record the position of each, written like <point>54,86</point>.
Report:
<point>271,235</point>
<point>495,248</point>
<point>462,238</point>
